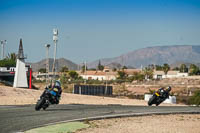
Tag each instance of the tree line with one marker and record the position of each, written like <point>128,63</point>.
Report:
<point>146,73</point>
<point>9,61</point>
<point>192,69</point>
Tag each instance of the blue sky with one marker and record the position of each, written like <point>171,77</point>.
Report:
<point>94,29</point>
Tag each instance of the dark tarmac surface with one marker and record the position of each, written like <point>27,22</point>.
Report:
<point>20,118</point>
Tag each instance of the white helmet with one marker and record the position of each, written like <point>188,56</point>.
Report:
<point>57,83</point>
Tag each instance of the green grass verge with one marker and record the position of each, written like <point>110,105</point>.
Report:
<point>60,128</point>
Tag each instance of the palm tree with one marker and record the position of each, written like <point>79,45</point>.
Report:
<point>193,70</point>
<point>148,72</point>
<point>64,69</point>
<point>12,56</point>
<point>166,68</point>
<point>183,68</point>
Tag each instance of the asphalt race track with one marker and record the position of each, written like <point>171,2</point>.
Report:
<point>21,118</point>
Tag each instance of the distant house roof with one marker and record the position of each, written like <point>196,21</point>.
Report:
<point>159,73</point>
<point>168,73</point>
<point>132,71</point>
<point>89,73</point>
<point>172,72</point>
<point>106,67</point>
<point>98,73</point>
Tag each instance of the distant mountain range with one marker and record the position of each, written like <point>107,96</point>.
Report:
<point>154,55</point>
<point>59,64</point>
<point>158,55</point>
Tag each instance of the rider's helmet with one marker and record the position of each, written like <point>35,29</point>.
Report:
<point>57,84</point>
<point>168,88</point>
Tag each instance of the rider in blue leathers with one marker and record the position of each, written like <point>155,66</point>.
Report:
<point>55,90</point>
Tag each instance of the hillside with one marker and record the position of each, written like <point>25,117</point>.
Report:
<point>59,64</point>
<point>154,55</point>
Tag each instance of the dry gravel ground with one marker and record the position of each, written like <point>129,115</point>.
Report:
<point>147,124</point>
<point>152,124</point>
<point>18,96</point>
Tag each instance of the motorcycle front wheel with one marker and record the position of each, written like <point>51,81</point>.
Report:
<point>151,100</point>
<point>39,104</point>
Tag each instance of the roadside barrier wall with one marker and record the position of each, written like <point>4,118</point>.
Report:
<point>93,90</point>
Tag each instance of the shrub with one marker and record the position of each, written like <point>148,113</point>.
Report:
<point>38,81</point>
<point>182,99</point>
<point>92,81</point>
<point>195,99</point>
<point>137,76</point>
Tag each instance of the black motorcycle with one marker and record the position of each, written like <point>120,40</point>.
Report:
<point>158,97</point>
<point>48,97</point>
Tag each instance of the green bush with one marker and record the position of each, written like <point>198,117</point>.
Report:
<point>92,81</point>
<point>195,99</point>
<point>7,63</point>
<point>136,76</point>
<point>38,81</point>
<point>119,81</point>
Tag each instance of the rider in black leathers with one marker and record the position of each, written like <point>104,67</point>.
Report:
<point>164,92</point>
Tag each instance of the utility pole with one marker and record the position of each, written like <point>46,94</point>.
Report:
<point>47,63</point>
<point>3,42</point>
<point>106,83</point>
<point>85,71</point>
<point>55,39</point>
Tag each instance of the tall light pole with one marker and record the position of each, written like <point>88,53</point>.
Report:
<point>55,39</point>
<point>85,71</point>
<point>47,63</point>
<point>106,83</point>
<point>3,42</point>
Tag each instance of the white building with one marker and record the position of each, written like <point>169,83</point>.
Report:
<point>98,75</point>
<point>43,76</point>
<point>170,74</point>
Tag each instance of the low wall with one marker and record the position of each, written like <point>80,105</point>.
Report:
<point>93,90</point>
